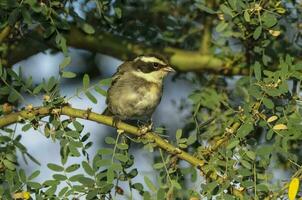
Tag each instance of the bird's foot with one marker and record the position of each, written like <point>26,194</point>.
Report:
<point>115,121</point>
<point>150,125</point>
<point>145,128</point>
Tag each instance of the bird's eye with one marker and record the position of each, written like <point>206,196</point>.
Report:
<point>155,65</point>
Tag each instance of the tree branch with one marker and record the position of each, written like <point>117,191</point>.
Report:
<point>119,47</point>
<point>84,114</point>
<point>4,33</point>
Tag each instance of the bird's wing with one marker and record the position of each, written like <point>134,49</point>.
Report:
<point>107,112</point>
<point>123,68</point>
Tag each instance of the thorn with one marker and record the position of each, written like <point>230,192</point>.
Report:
<point>120,131</point>
<point>87,113</point>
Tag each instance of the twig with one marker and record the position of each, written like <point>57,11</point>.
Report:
<point>78,113</point>
<point>4,33</point>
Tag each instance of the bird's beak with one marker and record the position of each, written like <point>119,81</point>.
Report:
<point>168,69</point>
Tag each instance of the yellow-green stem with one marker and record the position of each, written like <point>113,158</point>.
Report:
<point>86,114</point>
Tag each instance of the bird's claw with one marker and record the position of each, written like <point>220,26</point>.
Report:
<point>145,128</point>
<point>115,121</point>
<point>150,126</point>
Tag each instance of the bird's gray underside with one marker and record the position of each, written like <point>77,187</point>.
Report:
<point>127,100</point>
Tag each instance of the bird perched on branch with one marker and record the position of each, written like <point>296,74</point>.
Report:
<point>136,88</point>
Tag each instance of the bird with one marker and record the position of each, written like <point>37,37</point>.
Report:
<point>136,88</point>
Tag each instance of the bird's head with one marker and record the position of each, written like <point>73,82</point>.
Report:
<point>152,68</point>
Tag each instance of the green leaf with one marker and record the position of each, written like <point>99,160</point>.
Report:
<point>61,42</point>
<point>63,191</point>
<point>226,10</point>
<point>178,134</point>
<point>87,28</point>
<point>34,175</point>
<point>51,83</point>
<point>203,7</point>
<point>264,150</point>
<point>110,175</point>
<point>192,139</point>
<point>246,164</point>
<point>257,70</point>
<point>251,155</point>
<point>34,185</point>
<point>257,32</point>
<point>122,146</point>
<point>149,183</point>
<point>176,184</point>
<point>133,173</point>
<point>91,97</point>
<point>118,12</point>
<point>9,165</point>
<point>78,126</point>
<point>100,91</point>
<point>269,20</point>
<point>103,162</point>
<point>221,26</point>
<point>109,140</point>
<point>105,151</point>
<point>51,183</point>
<point>138,186</point>
<point>73,134</point>
<point>74,151</point>
<point>86,81</point>
<point>270,134</point>
<point>116,166</point>
<point>266,59</point>
<point>32,158</point>
<point>76,178</point>
<point>233,4</point>
<point>246,15</point>
<point>26,127</point>
<point>262,187</point>
<point>14,95</point>
<point>66,61</point>
<point>232,144</point>
<point>121,157</point>
<point>158,165</point>
<point>106,82</point>
<point>66,74</point>
<point>13,16</point>
<point>59,177</point>
<point>245,129</point>
<point>1,69</point>
<point>268,103</point>
<point>51,191</point>
<point>182,145</point>
<point>88,169</point>
<point>92,194</point>
<point>38,89</point>
<point>26,16</point>
<point>72,168</point>
<point>22,175</point>
<point>55,167</point>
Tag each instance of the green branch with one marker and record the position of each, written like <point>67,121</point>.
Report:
<point>119,47</point>
<point>84,114</point>
<point>4,33</point>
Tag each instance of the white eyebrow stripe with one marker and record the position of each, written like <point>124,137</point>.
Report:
<point>150,59</point>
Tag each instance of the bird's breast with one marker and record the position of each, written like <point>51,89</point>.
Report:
<point>149,96</point>
<point>135,100</point>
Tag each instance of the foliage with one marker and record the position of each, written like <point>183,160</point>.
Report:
<point>244,127</point>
